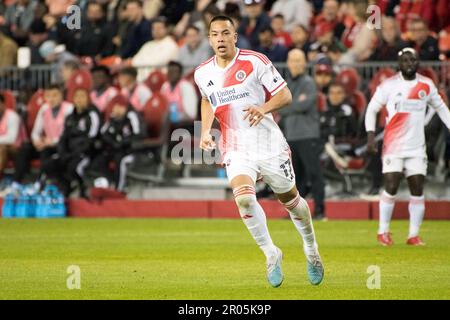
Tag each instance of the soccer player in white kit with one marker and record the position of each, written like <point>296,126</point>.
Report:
<point>234,84</point>
<point>406,96</point>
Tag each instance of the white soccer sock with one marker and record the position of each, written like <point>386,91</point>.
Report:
<point>387,203</point>
<point>254,218</point>
<point>416,209</point>
<point>301,217</point>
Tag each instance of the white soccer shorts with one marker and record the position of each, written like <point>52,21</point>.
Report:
<point>409,166</point>
<point>277,172</point>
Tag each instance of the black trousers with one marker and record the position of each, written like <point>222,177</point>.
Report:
<point>308,173</point>
<point>65,170</point>
<point>101,167</point>
<point>25,154</point>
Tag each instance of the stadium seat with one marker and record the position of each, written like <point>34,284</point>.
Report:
<point>429,73</point>
<point>34,104</point>
<point>10,99</point>
<point>350,79</point>
<point>155,80</point>
<point>79,79</point>
<point>358,102</point>
<point>347,167</point>
<point>156,117</point>
<point>378,78</point>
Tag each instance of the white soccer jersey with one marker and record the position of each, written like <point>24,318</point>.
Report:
<point>245,81</point>
<point>406,103</point>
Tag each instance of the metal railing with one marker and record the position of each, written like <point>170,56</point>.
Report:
<point>39,76</point>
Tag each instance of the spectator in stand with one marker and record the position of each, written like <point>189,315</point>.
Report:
<point>95,38</point>
<point>421,40</point>
<point>335,52</point>
<point>115,12</point>
<point>324,34</point>
<point>38,34</point>
<point>299,35</point>
<point>338,123</point>
<point>195,17</point>
<point>281,36</point>
<point>357,37</point>
<point>9,134</point>
<point>181,96</point>
<point>242,41</point>
<point>294,12</point>
<point>389,41</point>
<point>302,130</point>
<point>196,49</point>
<point>407,10</point>
<point>8,51</point>
<point>58,8</point>
<point>275,52</point>
<point>76,145</point>
<point>18,19</point>
<point>46,133</point>
<point>75,77</point>
<point>56,55</point>
<point>136,94</point>
<point>157,52</point>
<point>323,74</point>
<point>330,14</point>
<point>138,30</point>
<point>174,10</point>
<point>254,21</point>
<point>118,135</point>
<point>103,91</point>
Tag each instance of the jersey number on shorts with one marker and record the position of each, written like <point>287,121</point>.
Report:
<point>287,168</point>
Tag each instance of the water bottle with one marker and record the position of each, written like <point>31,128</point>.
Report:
<point>221,173</point>
<point>9,205</point>
<point>173,112</point>
<point>22,204</point>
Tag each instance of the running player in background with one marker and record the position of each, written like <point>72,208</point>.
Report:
<point>406,97</point>
<point>234,84</point>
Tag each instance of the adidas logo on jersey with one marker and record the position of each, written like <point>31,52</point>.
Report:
<point>210,83</point>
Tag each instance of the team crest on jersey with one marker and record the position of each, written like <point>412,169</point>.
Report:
<point>241,75</point>
<point>422,94</point>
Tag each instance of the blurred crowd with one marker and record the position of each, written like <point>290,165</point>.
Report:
<point>129,60</point>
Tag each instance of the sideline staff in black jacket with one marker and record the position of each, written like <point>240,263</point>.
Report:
<point>76,146</point>
<point>118,135</point>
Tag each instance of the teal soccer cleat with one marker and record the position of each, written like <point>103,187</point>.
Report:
<point>274,272</point>
<point>315,268</point>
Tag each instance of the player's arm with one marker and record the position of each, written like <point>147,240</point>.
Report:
<point>281,99</point>
<point>375,105</point>
<point>438,104</point>
<point>207,115</point>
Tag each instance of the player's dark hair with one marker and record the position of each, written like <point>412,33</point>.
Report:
<point>336,83</point>
<point>267,29</point>
<point>278,16</point>
<point>138,2</point>
<point>102,69</point>
<point>160,19</point>
<point>129,71</point>
<point>193,27</point>
<point>2,98</point>
<point>72,64</point>
<point>221,18</point>
<point>176,64</point>
<point>54,86</point>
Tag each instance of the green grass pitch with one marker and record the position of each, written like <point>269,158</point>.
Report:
<point>213,259</point>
